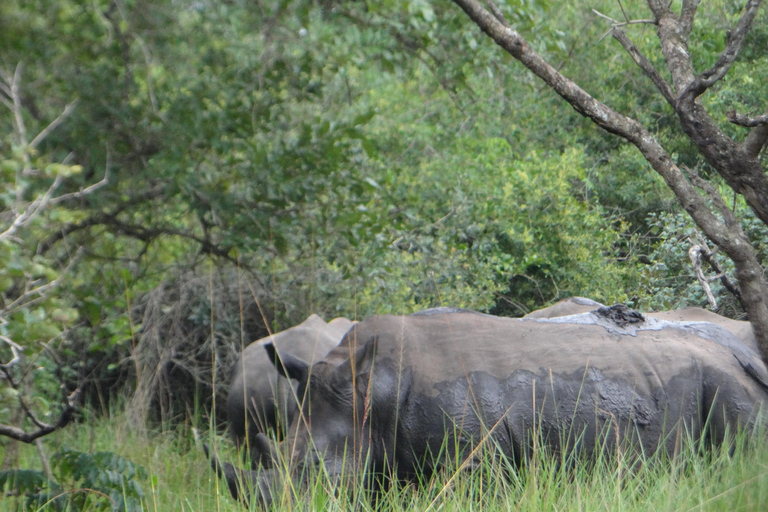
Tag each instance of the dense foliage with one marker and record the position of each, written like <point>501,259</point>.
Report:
<point>332,157</point>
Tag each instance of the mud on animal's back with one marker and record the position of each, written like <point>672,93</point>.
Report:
<point>455,345</point>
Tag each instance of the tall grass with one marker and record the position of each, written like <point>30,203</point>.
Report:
<point>729,478</point>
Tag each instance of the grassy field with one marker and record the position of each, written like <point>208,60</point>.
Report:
<point>179,478</point>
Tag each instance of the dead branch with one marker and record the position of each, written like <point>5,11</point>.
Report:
<point>709,256</point>
<point>694,253</point>
<point>16,97</point>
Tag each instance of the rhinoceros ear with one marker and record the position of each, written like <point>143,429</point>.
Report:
<point>287,365</point>
<point>361,359</point>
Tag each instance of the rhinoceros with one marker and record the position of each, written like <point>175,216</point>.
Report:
<point>400,389</point>
<point>578,305</point>
<point>260,400</point>
<point>566,307</point>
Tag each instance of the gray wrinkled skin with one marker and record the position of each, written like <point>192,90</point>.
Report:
<point>262,397</point>
<point>401,386</point>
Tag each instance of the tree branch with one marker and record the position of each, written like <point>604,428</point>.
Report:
<point>54,124</point>
<point>16,97</point>
<point>100,218</point>
<point>755,141</point>
<point>687,14</point>
<point>42,291</point>
<point>730,220</point>
<point>734,40</point>
<point>617,23</point>
<point>709,257</point>
<point>746,121</point>
<point>694,253</point>
<point>84,192</point>
<point>69,402</point>
<point>497,13</point>
<point>645,65</point>
<point>16,351</point>
<point>33,210</point>
<point>43,428</point>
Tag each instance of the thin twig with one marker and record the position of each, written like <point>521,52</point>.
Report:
<point>645,65</point>
<point>34,209</point>
<point>497,13</point>
<point>41,291</point>
<point>87,190</point>
<point>55,123</point>
<point>626,18</point>
<point>616,23</point>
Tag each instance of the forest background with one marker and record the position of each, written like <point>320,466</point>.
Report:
<point>179,178</point>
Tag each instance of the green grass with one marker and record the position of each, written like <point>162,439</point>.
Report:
<point>180,479</point>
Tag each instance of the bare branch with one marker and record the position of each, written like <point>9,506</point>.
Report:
<point>645,65</point>
<point>613,21</point>
<point>87,190</point>
<point>41,292</point>
<point>33,210</point>
<point>43,428</point>
<point>687,14</point>
<point>616,23</point>
<point>16,351</point>
<point>746,121</point>
<point>709,257</point>
<point>730,220</point>
<point>55,123</point>
<point>150,87</point>
<point>694,253</point>
<point>734,40</point>
<point>6,102</point>
<point>16,97</point>
<point>755,141</point>
<point>626,18</point>
<point>497,12</point>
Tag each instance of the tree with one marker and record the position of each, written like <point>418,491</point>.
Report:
<point>736,161</point>
<point>30,310</point>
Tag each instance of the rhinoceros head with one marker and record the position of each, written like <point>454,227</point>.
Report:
<point>333,397</point>
<point>348,402</point>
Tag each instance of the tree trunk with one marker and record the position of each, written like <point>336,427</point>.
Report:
<point>737,163</point>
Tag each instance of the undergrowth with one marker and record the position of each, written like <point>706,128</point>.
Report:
<point>174,475</point>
